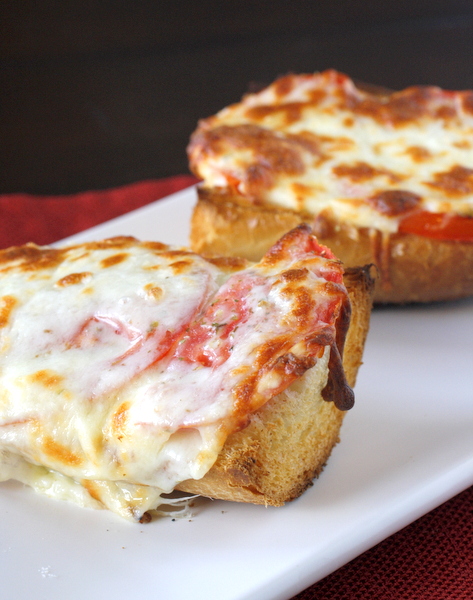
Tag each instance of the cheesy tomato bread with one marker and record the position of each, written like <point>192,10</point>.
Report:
<point>126,367</point>
<point>382,178</point>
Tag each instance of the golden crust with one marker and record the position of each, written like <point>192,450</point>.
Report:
<point>288,441</point>
<point>220,226</point>
<point>411,268</point>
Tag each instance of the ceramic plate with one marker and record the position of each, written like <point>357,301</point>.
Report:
<point>406,447</point>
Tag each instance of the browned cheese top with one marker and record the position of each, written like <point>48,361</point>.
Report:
<point>319,144</point>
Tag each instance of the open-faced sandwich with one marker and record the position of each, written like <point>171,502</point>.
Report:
<point>131,369</point>
<point>383,178</point>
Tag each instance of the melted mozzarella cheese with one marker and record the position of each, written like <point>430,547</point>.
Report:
<point>317,143</point>
<point>121,362</point>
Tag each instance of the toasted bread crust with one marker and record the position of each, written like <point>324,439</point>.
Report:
<point>288,441</point>
<point>411,268</point>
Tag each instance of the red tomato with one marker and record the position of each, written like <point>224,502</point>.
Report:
<point>441,226</point>
<point>221,319</point>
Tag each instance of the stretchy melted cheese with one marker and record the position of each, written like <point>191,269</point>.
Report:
<point>317,143</point>
<point>125,365</point>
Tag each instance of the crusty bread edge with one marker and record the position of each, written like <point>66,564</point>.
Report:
<point>288,441</point>
<point>411,268</point>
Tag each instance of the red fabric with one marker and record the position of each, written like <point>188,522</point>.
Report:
<point>432,559</point>
<point>46,219</point>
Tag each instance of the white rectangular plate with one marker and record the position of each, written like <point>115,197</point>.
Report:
<point>407,446</point>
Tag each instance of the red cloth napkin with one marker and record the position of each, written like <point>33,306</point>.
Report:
<point>432,559</point>
<point>46,219</point>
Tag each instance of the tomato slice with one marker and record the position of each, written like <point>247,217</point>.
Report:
<point>440,226</point>
<point>208,340</point>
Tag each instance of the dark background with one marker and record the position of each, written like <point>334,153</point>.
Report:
<point>98,94</point>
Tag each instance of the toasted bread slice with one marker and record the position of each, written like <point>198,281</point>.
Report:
<point>382,177</point>
<point>412,268</point>
<point>288,441</point>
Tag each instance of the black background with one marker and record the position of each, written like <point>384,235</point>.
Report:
<point>98,94</point>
